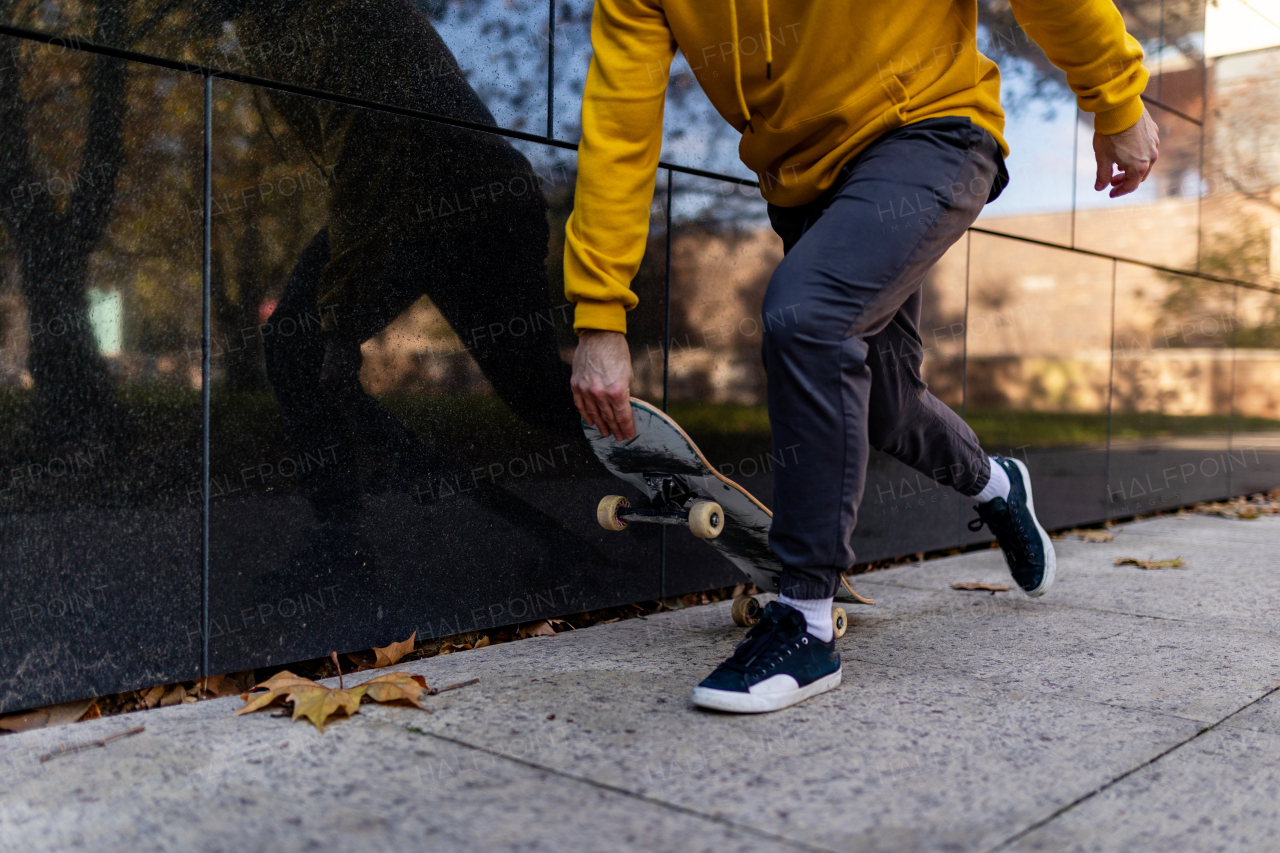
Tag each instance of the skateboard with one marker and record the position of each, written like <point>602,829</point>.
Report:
<point>685,490</point>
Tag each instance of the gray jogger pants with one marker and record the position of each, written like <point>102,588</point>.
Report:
<point>841,345</point>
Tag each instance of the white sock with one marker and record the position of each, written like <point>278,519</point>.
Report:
<point>817,615</point>
<point>997,487</point>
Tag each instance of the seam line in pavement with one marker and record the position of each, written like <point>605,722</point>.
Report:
<point>1071,805</point>
<point>738,827</point>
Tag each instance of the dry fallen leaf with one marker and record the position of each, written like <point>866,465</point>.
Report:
<point>388,655</point>
<point>397,687</point>
<point>1097,536</point>
<point>228,684</point>
<point>482,642</point>
<point>985,587</point>
<point>537,629</point>
<point>1175,563</point>
<point>52,715</point>
<point>173,696</point>
<point>152,697</point>
<point>277,686</point>
<point>318,703</point>
<point>311,700</point>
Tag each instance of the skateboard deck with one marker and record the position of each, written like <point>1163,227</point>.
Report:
<point>663,462</point>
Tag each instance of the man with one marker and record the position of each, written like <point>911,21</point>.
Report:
<point>845,110</point>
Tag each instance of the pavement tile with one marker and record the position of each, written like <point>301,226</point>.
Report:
<point>1229,570</point>
<point>1218,792</point>
<point>257,782</point>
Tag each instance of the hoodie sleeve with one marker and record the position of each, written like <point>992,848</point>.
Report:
<point>1103,63</point>
<point>622,107</point>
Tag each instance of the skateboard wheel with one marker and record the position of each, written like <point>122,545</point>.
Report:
<point>607,512</point>
<point>706,519</point>
<point>839,621</point>
<point>746,610</point>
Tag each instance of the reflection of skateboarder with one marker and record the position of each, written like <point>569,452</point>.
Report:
<point>390,239</point>
<point>875,156</point>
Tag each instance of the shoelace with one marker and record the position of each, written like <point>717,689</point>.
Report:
<point>759,640</point>
<point>1015,531</point>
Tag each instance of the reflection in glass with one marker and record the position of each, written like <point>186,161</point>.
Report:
<point>723,253</point>
<point>1171,392</point>
<point>1176,57</point>
<point>475,60</point>
<point>1255,406</point>
<point>1159,222</point>
<point>1238,232</point>
<point>1040,119</point>
<point>393,430</point>
<point>1038,365</point>
<point>99,392</point>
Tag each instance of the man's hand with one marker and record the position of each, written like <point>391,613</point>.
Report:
<point>1132,152</point>
<point>602,382</point>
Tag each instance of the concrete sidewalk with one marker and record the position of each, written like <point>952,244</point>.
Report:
<point>1128,710</point>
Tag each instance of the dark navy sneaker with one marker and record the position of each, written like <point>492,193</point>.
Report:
<point>779,664</point>
<point>1027,548</point>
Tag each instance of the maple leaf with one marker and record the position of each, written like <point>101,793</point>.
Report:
<point>388,655</point>
<point>319,703</point>
<point>313,701</point>
<point>1175,563</point>
<point>992,588</point>
<point>397,687</point>
<point>277,686</point>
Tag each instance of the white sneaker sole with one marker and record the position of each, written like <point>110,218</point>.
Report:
<point>1050,558</point>
<point>760,703</point>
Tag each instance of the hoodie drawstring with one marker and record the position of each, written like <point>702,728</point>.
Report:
<point>737,60</point>
<point>768,43</point>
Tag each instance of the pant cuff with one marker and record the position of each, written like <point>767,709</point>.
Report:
<point>809,582</point>
<point>980,481</point>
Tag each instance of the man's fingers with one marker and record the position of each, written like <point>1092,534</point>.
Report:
<point>622,416</point>
<point>580,404</point>
<point>605,405</point>
<point>593,413</point>
<point>1132,178</point>
<point>1104,173</point>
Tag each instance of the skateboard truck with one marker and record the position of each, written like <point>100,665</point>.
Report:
<point>705,519</point>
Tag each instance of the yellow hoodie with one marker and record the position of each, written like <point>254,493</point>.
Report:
<point>830,77</point>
